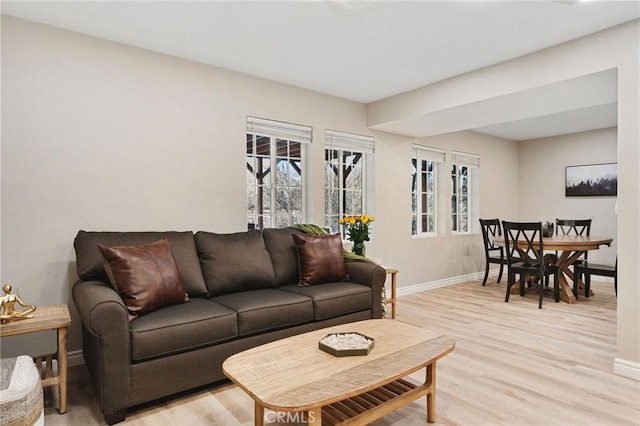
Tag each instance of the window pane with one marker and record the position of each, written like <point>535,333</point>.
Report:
<point>353,179</point>
<point>263,146</point>
<point>424,187</point>
<point>461,197</point>
<point>295,150</point>
<point>431,204</point>
<point>344,172</point>
<point>264,167</point>
<point>462,205</point>
<point>250,150</point>
<point>430,182</point>
<point>282,148</point>
<point>296,200</point>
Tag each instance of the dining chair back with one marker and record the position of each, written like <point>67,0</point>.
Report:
<point>574,227</point>
<point>525,257</point>
<point>493,253</point>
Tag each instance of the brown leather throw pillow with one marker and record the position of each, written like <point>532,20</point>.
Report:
<point>146,276</point>
<point>320,259</point>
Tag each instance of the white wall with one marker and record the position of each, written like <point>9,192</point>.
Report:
<point>616,48</point>
<point>102,136</point>
<point>542,167</point>
<point>426,260</point>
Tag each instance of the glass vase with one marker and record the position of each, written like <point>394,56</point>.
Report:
<point>358,248</point>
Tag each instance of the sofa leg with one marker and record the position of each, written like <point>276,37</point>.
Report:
<point>116,417</point>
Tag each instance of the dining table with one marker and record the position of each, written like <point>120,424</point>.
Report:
<point>571,248</point>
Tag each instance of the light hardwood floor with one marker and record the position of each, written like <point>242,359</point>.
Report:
<point>513,365</point>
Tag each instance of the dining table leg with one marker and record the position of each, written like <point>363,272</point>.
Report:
<point>565,275</point>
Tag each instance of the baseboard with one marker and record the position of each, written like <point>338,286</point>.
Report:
<point>625,368</point>
<point>417,288</point>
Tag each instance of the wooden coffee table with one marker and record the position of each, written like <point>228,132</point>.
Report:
<point>293,376</point>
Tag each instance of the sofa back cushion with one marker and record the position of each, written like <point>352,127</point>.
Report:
<point>234,262</point>
<point>284,254</point>
<point>90,262</point>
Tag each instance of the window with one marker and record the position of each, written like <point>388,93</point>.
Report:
<point>463,191</point>
<point>275,154</point>
<point>348,171</point>
<point>424,199</point>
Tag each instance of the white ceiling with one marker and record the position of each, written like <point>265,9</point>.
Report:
<point>359,50</point>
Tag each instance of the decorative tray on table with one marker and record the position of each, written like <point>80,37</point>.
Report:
<point>346,344</point>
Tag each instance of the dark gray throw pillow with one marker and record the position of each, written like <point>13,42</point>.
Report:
<point>234,262</point>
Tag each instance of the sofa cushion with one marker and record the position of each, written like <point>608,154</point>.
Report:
<point>145,276</point>
<point>90,262</point>
<point>234,262</point>
<point>269,309</point>
<point>284,254</point>
<point>320,258</point>
<point>334,299</point>
<point>181,328</point>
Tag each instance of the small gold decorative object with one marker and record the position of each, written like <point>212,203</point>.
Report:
<point>9,312</point>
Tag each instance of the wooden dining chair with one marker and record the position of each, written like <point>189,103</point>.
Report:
<point>568,227</point>
<point>525,257</point>
<point>492,252</point>
<point>587,269</point>
<point>574,227</point>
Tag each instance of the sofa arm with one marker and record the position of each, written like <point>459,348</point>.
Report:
<point>372,275</point>
<point>105,344</point>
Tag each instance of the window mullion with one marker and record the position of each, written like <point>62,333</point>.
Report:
<point>273,156</point>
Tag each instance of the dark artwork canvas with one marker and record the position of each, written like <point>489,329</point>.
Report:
<point>591,180</point>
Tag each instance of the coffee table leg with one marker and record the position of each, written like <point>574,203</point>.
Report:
<point>430,382</point>
<point>259,414</point>
<point>315,417</point>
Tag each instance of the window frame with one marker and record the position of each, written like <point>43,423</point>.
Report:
<point>470,162</point>
<point>421,156</point>
<point>280,135</point>
<point>339,146</point>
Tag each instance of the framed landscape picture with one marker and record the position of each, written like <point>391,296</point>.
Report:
<point>591,180</point>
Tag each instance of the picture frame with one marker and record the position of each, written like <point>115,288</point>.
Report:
<point>591,180</point>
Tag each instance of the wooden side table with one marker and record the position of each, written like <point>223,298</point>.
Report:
<point>47,318</point>
<point>392,300</point>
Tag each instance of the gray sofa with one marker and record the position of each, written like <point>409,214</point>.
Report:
<point>243,292</point>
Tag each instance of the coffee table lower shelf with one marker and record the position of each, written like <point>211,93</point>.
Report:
<point>369,406</point>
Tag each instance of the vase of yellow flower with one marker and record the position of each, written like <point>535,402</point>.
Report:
<point>357,228</point>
